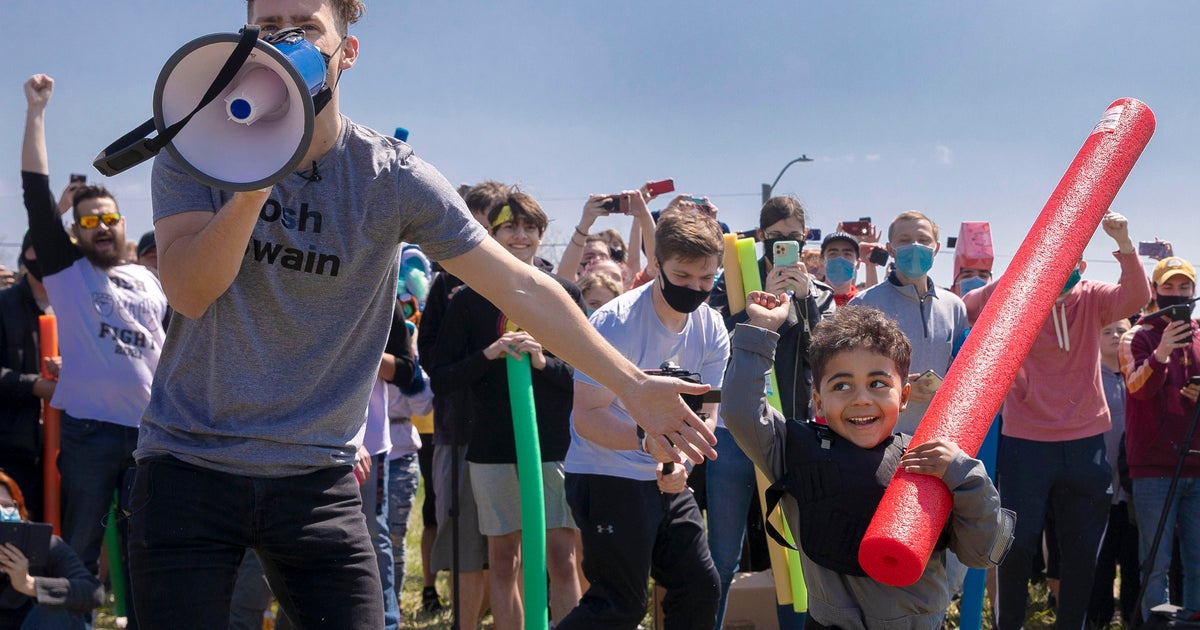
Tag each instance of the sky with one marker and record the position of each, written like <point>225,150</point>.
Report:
<point>964,111</point>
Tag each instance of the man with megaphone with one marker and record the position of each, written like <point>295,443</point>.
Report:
<point>285,295</point>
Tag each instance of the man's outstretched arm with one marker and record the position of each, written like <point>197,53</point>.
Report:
<point>536,302</point>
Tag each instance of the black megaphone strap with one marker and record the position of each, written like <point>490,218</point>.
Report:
<point>135,147</point>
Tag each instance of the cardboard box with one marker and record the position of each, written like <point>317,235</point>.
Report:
<point>751,604</point>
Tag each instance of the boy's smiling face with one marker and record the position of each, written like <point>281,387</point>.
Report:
<point>861,395</point>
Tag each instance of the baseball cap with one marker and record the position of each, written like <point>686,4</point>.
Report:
<point>146,243</point>
<point>838,236</point>
<point>1173,266</point>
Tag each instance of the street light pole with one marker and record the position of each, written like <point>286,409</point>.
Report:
<point>768,189</point>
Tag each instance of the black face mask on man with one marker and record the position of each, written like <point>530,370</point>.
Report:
<point>680,298</point>
<point>1167,301</point>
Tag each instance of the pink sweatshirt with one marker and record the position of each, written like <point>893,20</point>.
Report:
<point>1057,395</point>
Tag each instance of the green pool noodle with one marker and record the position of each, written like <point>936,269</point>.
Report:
<point>533,501</point>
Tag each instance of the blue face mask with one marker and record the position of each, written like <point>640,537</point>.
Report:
<point>589,311</point>
<point>914,260</point>
<point>966,285</point>
<point>9,515</point>
<point>1072,280</point>
<point>839,271</point>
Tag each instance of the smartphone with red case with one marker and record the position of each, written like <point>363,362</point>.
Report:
<point>661,187</point>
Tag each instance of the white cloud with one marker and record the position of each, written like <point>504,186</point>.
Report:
<point>943,154</point>
<point>873,157</point>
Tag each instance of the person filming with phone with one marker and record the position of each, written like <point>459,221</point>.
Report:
<point>46,587</point>
<point>585,248</point>
<point>1160,358</point>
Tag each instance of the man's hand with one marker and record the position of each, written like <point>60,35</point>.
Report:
<point>593,209</point>
<point>67,199</point>
<point>767,310</point>
<point>673,482</point>
<point>7,277</point>
<point>1191,391</point>
<point>362,465</point>
<point>53,366</point>
<point>38,90</point>
<point>655,405</point>
<point>637,203</point>
<point>660,454</point>
<point>1117,227</point>
<point>1175,335</point>
<point>931,458</point>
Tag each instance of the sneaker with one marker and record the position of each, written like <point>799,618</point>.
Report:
<point>430,601</point>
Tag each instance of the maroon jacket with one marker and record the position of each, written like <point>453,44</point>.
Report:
<point>1156,414</point>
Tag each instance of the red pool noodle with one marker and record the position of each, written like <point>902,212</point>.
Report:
<point>915,507</point>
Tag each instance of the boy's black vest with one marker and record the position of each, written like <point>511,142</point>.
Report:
<point>837,486</point>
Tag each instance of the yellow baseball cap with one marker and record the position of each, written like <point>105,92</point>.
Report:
<point>1173,266</point>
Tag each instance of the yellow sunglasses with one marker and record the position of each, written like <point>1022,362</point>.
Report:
<point>90,221</point>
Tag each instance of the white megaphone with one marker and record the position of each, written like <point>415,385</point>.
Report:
<point>236,112</point>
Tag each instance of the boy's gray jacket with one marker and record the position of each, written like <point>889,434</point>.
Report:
<point>980,531</point>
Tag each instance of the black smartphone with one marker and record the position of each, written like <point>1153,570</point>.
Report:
<point>879,256</point>
<point>1179,312</point>
<point>78,177</point>
<point>1153,249</point>
<point>33,539</point>
<point>1195,380</point>
<point>616,205</point>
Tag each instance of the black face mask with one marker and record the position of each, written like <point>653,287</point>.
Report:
<point>32,267</point>
<point>681,299</point>
<point>1167,301</point>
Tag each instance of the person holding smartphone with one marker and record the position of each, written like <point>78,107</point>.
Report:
<point>56,593</point>
<point>585,247</point>
<point>1051,452</point>
<point>1160,359</point>
<point>730,478</point>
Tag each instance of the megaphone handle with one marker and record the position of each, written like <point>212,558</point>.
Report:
<point>135,147</point>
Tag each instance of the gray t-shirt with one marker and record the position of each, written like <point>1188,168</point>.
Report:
<point>630,324</point>
<point>273,379</point>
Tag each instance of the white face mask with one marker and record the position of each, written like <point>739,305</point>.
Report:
<point>9,515</point>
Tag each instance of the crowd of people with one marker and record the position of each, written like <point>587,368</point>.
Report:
<point>261,400</point>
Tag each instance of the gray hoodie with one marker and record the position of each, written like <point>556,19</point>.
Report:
<point>980,534</point>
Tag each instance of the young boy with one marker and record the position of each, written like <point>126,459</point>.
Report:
<point>832,478</point>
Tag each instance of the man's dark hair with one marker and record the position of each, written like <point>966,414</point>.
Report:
<point>93,191</point>
<point>484,196</point>
<point>777,209</point>
<point>858,328</point>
